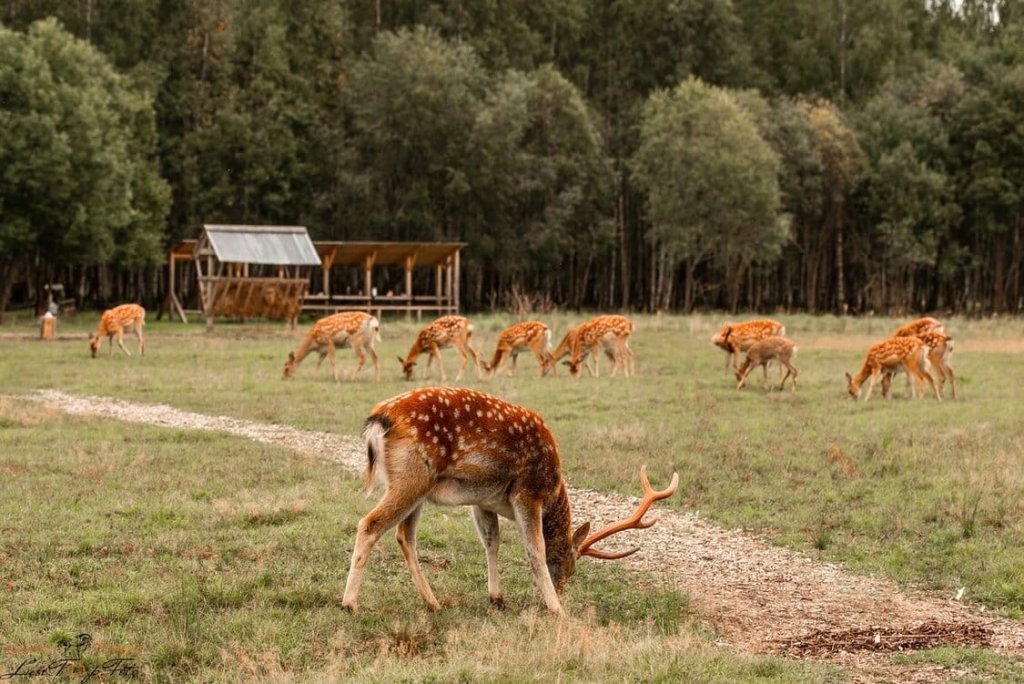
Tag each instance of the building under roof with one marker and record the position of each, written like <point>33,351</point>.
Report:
<point>228,258</point>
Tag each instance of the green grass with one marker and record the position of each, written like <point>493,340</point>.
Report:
<point>926,493</point>
<point>217,559</point>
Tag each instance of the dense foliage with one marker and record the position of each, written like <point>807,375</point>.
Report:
<point>644,154</point>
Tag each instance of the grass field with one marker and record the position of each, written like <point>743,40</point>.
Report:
<point>219,559</point>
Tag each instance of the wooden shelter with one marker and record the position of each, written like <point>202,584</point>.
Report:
<point>369,257</point>
<point>225,288</point>
<point>251,271</point>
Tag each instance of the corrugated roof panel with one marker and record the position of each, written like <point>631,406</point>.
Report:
<point>288,246</point>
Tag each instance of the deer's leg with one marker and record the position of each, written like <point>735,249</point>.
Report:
<point>120,342</point>
<point>528,520</point>
<point>512,366</point>
<point>435,354</point>
<point>952,379</point>
<point>376,361</point>
<point>487,529</point>
<point>395,506</point>
<point>764,370</point>
<point>333,359</point>
<point>928,376</point>
<point>142,347</point>
<point>741,374</point>
<point>886,383</point>
<point>357,347</point>
<point>476,358</point>
<point>461,348</point>
<point>790,370</point>
<point>871,384</point>
<point>406,536</point>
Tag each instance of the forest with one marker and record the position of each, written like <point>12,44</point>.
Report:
<point>647,155</point>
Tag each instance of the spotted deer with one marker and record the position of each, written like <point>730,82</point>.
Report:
<point>565,347</point>
<point>773,348</point>
<point>114,323</point>
<point>734,338</point>
<point>939,355</point>
<point>532,335</point>
<point>610,333</point>
<point>348,328</point>
<point>886,356</point>
<point>919,326</point>
<point>447,331</point>
<point>460,447</point>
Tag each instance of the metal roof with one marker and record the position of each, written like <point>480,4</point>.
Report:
<point>274,245</point>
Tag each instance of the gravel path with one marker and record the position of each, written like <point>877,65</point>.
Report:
<point>760,598</point>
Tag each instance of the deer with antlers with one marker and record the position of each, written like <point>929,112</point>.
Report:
<point>460,447</point>
<point>734,338</point>
<point>348,328</point>
<point>774,348</point>
<point>447,331</point>
<point>939,355</point>
<point>532,335</point>
<point>113,323</point>
<point>908,353</point>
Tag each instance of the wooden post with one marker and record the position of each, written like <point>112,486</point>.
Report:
<point>410,262</point>
<point>456,294</point>
<point>368,262</point>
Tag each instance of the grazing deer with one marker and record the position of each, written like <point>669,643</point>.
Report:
<point>447,331</point>
<point>761,352</point>
<point>883,357</point>
<point>734,338</point>
<point>532,335</point>
<point>921,325</point>
<point>565,347</point>
<point>113,323</point>
<point>460,447</point>
<point>610,333</point>
<point>940,353</point>
<point>355,328</point>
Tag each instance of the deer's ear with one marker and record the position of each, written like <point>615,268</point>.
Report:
<point>400,360</point>
<point>291,356</point>
<point>580,534</point>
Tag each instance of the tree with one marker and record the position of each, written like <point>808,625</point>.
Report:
<point>712,188</point>
<point>544,184</point>
<point>414,99</point>
<point>78,184</point>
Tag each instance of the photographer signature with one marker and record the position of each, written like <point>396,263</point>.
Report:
<point>71,663</point>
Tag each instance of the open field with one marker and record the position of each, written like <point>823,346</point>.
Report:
<point>928,494</point>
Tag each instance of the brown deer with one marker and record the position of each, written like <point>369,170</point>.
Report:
<point>883,357</point>
<point>447,331</point>
<point>939,355</point>
<point>113,323</point>
<point>348,328</point>
<point>919,326</point>
<point>565,347</point>
<point>610,333</point>
<point>532,335</point>
<point>773,348</point>
<point>734,338</point>
<point>460,447</point>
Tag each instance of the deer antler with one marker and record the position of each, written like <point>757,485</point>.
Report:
<point>633,522</point>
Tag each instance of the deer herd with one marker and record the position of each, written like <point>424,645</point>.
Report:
<point>461,447</point>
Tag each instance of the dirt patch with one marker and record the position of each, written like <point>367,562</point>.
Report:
<point>888,639</point>
<point>758,597</point>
